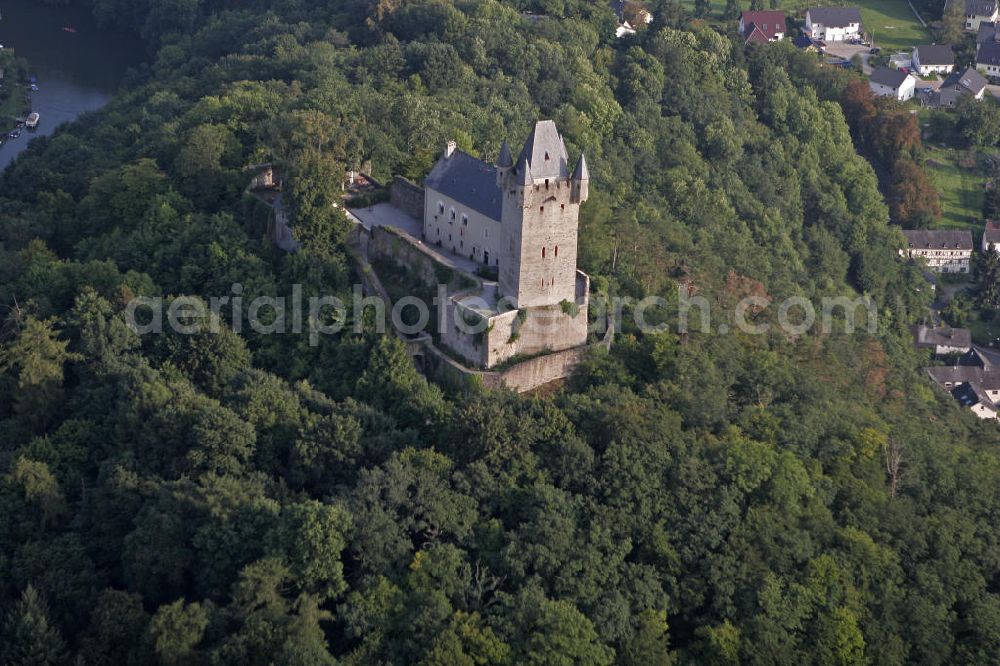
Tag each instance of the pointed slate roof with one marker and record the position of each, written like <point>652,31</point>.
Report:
<point>523,172</point>
<point>506,159</point>
<point>581,172</point>
<point>545,152</point>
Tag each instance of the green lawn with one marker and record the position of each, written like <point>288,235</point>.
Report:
<point>893,24</point>
<point>959,181</point>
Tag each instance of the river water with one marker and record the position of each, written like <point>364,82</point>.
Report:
<point>77,71</point>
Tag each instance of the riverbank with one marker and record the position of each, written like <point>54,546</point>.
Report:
<point>78,64</point>
<point>15,102</point>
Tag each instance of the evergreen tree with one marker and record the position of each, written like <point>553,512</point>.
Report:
<point>28,637</point>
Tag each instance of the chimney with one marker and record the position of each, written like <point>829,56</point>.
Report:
<point>449,148</point>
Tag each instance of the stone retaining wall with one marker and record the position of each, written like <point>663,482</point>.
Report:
<point>407,196</point>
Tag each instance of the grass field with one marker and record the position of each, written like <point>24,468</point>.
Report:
<point>959,180</point>
<point>893,24</point>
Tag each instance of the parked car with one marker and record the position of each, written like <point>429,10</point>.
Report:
<point>875,50</point>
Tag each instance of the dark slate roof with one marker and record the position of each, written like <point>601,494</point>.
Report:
<point>945,97</point>
<point>970,395</point>
<point>888,77</point>
<point>545,152</point>
<point>469,181</point>
<point>988,54</point>
<point>945,239</point>
<point>803,41</point>
<point>935,54</point>
<point>925,336</point>
<point>980,7</point>
<point>970,80</point>
<point>505,160</point>
<point>835,17</point>
<point>987,32</point>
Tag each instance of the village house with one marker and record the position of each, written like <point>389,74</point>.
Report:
<point>943,340</point>
<point>979,11</point>
<point>945,251</point>
<point>991,236</point>
<point>630,14</point>
<point>833,24</point>
<point>974,381</point>
<point>988,58</point>
<point>969,83</point>
<point>762,27</point>
<point>886,82</point>
<point>933,59</point>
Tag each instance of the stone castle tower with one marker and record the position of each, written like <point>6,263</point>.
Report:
<point>540,210</point>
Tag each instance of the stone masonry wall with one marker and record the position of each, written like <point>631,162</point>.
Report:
<point>407,196</point>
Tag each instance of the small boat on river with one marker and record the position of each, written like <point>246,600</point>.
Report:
<point>32,121</point>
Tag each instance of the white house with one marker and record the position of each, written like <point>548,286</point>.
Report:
<point>979,11</point>
<point>886,82</point>
<point>933,59</point>
<point>833,24</point>
<point>988,59</point>
<point>944,251</point>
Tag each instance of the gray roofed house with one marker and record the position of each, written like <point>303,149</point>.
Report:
<point>930,58</point>
<point>988,58</point>
<point>945,251</point>
<point>467,180</point>
<point>886,82</point>
<point>835,17</point>
<point>892,78</point>
<point>957,85</point>
<point>943,339</point>
<point>935,54</point>
<point>971,81</point>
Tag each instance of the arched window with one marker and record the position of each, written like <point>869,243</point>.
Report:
<point>543,253</point>
<point>557,251</point>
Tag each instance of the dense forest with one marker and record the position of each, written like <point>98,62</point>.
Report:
<point>236,498</point>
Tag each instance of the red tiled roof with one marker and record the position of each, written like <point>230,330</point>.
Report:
<point>756,35</point>
<point>768,22</point>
